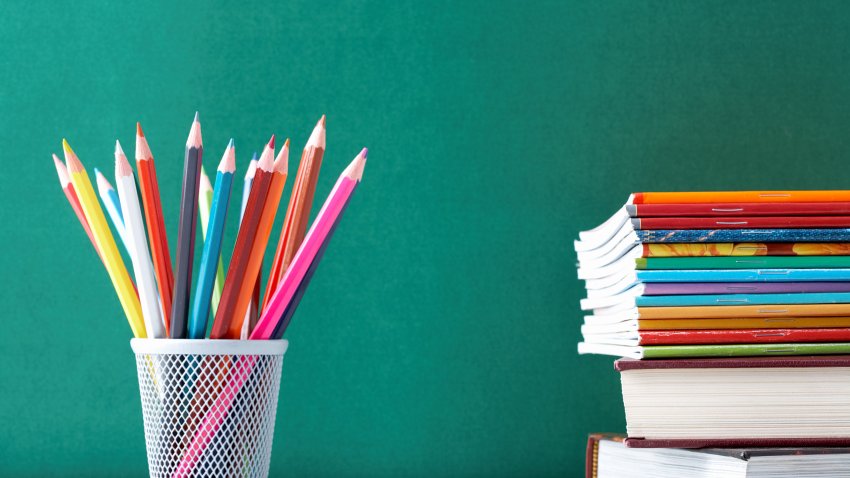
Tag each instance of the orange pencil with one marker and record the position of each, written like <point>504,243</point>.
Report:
<point>298,212</point>
<point>149,190</point>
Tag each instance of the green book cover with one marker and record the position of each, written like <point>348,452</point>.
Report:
<point>743,262</point>
<point>744,350</point>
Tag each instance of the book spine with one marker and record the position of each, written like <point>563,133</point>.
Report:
<point>742,350</point>
<point>740,209</point>
<point>748,336</point>
<point>743,235</point>
<point>780,222</point>
<point>762,262</point>
<point>746,249</point>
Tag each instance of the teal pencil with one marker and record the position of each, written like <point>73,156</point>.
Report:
<point>205,198</point>
<point>212,245</point>
<point>113,207</point>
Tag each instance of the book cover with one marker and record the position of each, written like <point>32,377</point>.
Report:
<point>738,442</point>
<point>743,336</point>
<point>746,249</point>
<point>722,300</point>
<point>691,197</point>
<point>735,311</point>
<point>744,350</point>
<point>739,209</point>
<point>740,323</point>
<point>743,235</point>
<point>763,262</point>
<point>623,365</point>
<point>692,288</point>
<point>744,222</point>
<point>742,275</point>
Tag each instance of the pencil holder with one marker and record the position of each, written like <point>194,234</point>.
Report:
<point>208,405</point>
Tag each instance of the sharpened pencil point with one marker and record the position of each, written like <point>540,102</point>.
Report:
<point>281,163</point>
<point>118,148</point>
<point>62,171</point>
<point>271,143</point>
<point>139,131</point>
<point>230,144</point>
<point>122,166</point>
<point>254,157</point>
<point>322,121</point>
<point>66,147</point>
<point>197,119</point>
<point>364,152</point>
<point>228,160</point>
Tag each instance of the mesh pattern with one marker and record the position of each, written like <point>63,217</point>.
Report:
<point>208,415</point>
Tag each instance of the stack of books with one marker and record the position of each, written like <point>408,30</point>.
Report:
<point>731,312</point>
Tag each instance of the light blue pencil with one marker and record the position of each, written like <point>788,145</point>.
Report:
<point>113,207</point>
<point>212,245</point>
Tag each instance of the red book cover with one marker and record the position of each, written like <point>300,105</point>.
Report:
<point>740,209</point>
<point>743,336</point>
<point>764,222</point>
<point>737,442</point>
<point>592,456</point>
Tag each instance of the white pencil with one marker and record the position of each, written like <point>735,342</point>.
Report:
<point>139,254</point>
<point>113,208</point>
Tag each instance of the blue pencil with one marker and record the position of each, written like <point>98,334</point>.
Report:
<point>113,207</point>
<point>212,245</point>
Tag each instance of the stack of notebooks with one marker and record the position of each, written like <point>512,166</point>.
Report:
<point>731,312</point>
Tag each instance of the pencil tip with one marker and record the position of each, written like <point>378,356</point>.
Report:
<point>61,170</point>
<point>139,131</point>
<point>66,147</point>
<point>271,143</point>
<point>97,172</point>
<point>197,118</point>
<point>286,143</point>
<point>205,181</point>
<point>230,144</point>
<point>254,157</point>
<point>118,148</point>
<point>322,121</point>
<point>364,152</point>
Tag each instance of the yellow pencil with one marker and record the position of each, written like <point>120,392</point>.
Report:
<point>105,242</point>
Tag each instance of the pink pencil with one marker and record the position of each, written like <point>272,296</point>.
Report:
<point>328,215</point>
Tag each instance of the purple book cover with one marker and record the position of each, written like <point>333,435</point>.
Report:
<point>693,288</point>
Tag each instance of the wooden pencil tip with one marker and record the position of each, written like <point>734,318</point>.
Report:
<point>228,160</point>
<point>197,118</point>
<point>205,181</point>
<point>102,183</point>
<point>139,131</point>
<point>281,163</point>
<point>66,147</point>
<point>118,148</point>
<point>195,140</point>
<point>254,157</point>
<point>252,168</point>
<point>364,152</point>
<point>271,143</point>
<point>322,121</point>
<point>61,170</point>
<point>122,166</point>
<point>317,137</point>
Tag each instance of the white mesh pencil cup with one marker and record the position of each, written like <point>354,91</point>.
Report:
<point>209,405</point>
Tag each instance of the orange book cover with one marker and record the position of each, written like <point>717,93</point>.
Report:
<point>755,311</point>
<point>739,197</point>
<point>744,323</point>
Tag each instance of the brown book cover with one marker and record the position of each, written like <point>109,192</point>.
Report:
<point>802,361</point>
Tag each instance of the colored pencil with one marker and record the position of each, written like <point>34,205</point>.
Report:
<point>211,256</point>
<point>251,314</point>
<point>138,247</point>
<point>236,273</point>
<point>298,211</point>
<point>105,242</point>
<point>113,207</point>
<point>316,236</point>
<point>246,296</point>
<point>74,201</point>
<point>186,231</point>
<point>205,199</point>
<point>149,189</point>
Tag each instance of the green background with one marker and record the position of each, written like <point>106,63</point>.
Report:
<point>438,337</point>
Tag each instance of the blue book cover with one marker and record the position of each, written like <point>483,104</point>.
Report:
<point>743,275</point>
<point>741,299</point>
<point>744,235</point>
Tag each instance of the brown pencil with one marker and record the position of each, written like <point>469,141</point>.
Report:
<point>298,212</point>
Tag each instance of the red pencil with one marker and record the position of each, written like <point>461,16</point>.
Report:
<point>149,190</point>
<point>226,315</point>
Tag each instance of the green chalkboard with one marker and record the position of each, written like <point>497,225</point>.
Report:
<point>438,336</point>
